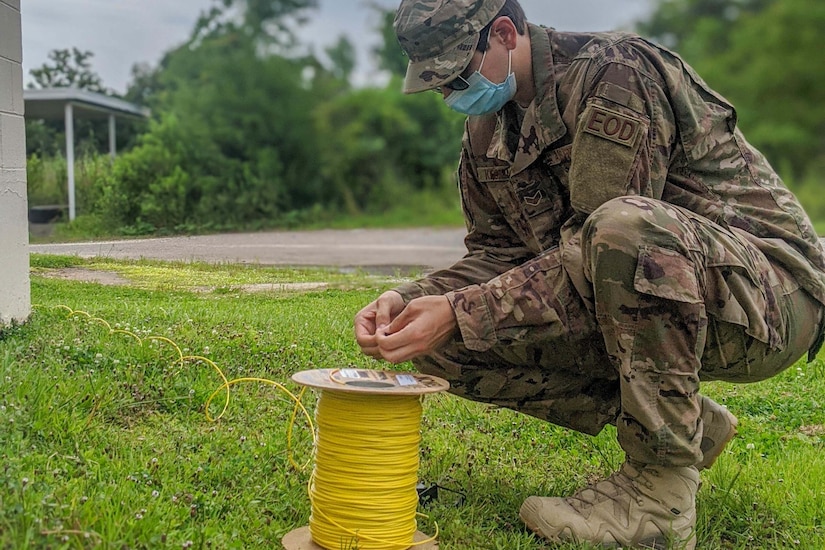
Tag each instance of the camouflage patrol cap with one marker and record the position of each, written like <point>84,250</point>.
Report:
<point>440,37</point>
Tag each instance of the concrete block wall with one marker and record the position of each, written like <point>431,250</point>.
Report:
<point>15,297</point>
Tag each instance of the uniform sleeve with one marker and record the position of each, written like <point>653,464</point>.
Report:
<point>500,285</point>
<point>624,137</point>
<point>534,294</point>
<point>492,246</point>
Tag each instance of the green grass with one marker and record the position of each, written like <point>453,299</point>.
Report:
<point>105,444</point>
<point>435,208</point>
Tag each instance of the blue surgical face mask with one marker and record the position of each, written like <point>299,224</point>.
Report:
<point>482,96</point>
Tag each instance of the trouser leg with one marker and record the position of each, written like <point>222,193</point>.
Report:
<point>659,274</point>
<point>676,298</point>
<point>558,370</point>
<point>654,324</point>
<point>571,384</point>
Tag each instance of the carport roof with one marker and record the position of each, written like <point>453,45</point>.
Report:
<point>50,103</point>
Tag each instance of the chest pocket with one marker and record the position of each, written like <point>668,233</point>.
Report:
<point>543,197</point>
<point>534,197</point>
<point>532,201</point>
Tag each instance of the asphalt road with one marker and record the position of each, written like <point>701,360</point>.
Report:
<point>373,250</point>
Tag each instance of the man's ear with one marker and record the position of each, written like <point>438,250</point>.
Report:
<point>504,30</point>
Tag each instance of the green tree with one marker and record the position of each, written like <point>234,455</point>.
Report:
<point>342,56</point>
<point>388,53</point>
<point>268,22</point>
<point>769,72</point>
<point>248,134</point>
<point>144,84</point>
<point>759,54</point>
<point>380,145</point>
<point>234,142</point>
<point>674,21</point>
<point>69,68</point>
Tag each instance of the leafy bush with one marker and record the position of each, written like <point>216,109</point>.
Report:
<point>149,183</point>
<point>244,138</point>
<point>232,143</point>
<point>381,145</point>
<point>46,180</point>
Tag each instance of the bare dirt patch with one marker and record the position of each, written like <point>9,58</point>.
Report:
<point>110,278</point>
<point>88,275</point>
<point>813,431</point>
<point>267,287</point>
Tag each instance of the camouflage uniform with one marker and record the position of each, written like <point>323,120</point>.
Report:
<point>624,241</point>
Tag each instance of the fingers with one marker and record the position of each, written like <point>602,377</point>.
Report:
<point>365,328</point>
<point>390,329</point>
<point>400,346</point>
<point>372,351</point>
<point>409,315</point>
<point>388,306</point>
<point>400,340</point>
<point>373,319</point>
<point>372,325</point>
<point>425,325</point>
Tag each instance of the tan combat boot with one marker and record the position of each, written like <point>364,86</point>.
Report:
<point>639,506</point>
<point>719,427</point>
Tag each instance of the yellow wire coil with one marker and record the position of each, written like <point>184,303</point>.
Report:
<point>363,488</point>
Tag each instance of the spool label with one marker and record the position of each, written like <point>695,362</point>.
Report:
<point>406,380</point>
<point>352,373</point>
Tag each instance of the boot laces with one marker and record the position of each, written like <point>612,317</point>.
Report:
<point>618,487</point>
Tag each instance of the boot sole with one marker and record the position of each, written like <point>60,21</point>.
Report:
<point>652,544</point>
<point>656,543</point>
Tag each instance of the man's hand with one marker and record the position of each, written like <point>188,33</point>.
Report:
<point>374,318</point>
<point>425,325</point>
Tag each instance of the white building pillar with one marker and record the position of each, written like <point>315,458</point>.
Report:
<point>112,137</point>
<point>69,118</point>
<point>15,297</point>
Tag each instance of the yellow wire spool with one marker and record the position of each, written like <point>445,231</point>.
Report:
<point>363,488</point>
<point>366,451</point>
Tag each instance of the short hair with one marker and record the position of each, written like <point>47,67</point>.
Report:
<point>511,9</point>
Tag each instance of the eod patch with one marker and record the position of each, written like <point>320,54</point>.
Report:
<point>611,125</point>
<point>605,149</point>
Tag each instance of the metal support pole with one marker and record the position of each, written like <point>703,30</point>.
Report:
<point>112,137</point>
<point>69,116</point>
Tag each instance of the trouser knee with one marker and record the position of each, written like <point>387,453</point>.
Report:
<point>614,233</point>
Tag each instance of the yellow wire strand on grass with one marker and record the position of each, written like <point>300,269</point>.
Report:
<point>183,359</point>
<point>299,406</point>
<point>363,488</point>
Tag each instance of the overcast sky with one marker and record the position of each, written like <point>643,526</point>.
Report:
<point>121,33</point>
